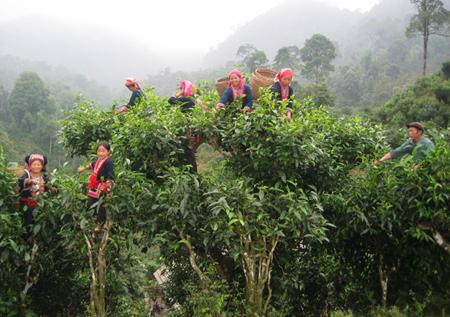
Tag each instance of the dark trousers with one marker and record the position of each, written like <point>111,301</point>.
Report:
<point>28,219</point>
<point>190,156</point>
<point>101,211</point>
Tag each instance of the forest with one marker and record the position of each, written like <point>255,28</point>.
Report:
<point>282,218</point>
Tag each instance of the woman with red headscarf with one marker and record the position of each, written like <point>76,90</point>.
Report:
<point>32,185</point>
<point>136,94</point>
<point>237,89</point>
<point>282,89</point>
<point>184,96</point>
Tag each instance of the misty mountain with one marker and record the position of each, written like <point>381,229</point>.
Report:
<point>63,84</point>
<point>292,22</point>
<point>100,55</point>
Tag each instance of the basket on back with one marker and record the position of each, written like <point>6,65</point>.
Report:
<point>262,78</point>
<point>222,85</point>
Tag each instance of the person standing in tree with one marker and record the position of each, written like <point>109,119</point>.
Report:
<point>101,178</point>
<point>282,89</point>
<point>136,94</point>
<point>32,185</point>
<point>184,98</point>
<point>237,89</point>
<point>418,145</point>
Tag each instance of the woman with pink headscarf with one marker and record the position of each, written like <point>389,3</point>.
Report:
<point>184,96</point>
<point>237,90</point>
<point>282,89</point>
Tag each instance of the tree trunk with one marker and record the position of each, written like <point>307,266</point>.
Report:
<point>438,237</point>
<point>204,280</point>
<point>257,264</point>
<point>425,53</point>
<point>384,279</point>
<point>98,269</point>
<point>30,280</point>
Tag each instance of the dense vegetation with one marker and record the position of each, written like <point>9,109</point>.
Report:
<point>291,220</point>
<point>285,218</point>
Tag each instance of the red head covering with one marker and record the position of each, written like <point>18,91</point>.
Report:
<point>285,72</point>
<point>186,86</point>
<point>240,89</point>
<point>132,84</point>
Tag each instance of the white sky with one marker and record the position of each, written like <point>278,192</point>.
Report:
<point>161,25</point>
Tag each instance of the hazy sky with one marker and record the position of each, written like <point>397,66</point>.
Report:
<point>161,25</point>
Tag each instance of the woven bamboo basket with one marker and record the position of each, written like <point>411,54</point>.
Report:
<point>18,170</point>
<point>222,85</point>
<point>261,78</point>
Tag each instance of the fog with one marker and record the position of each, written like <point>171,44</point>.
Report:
<point>107,41</point>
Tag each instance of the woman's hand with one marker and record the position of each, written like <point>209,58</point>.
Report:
<point>81,169</point>
<point>220,106</point>
<point>289,115</point>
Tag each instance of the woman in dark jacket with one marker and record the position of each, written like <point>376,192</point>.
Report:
<point>101,179</point>
<point>184,96</point>
<point>282,89</point>
<point>136,94</point>
<point>32,185</point>
<point>237,89</point>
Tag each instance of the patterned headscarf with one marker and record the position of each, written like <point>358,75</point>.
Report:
<point>36,157</point>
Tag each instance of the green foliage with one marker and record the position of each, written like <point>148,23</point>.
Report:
<point>319,93</point>
<point>29,120</point>
<point>252,58</point>
<point>292,220</point>
<point>29,95</point>
<point>84,126</point>
<point>431,19</point>
<point>380,215</point>
<point>446,70</point>
<point>442,92</point>
<point>288,56</point>
<point>317,55</point>
<point>262,145</point>
<point>426,102</point>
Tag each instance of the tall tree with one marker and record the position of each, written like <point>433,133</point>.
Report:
<point>33,111</point>
<point>288,56</point>
<point>431,19</point>
<point>252,57</point>
<point>317,55</point>
<point>30,95</point>
<point>3,103</point>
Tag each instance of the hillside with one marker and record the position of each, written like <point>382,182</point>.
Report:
<point>97,54</point>
<point>354,33</point>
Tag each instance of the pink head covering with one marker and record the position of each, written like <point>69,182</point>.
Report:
<point>132,84</point>
<point>285,72</point>
<point>240,89</point>
<point>186,86</point>
<point>36,157</point>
